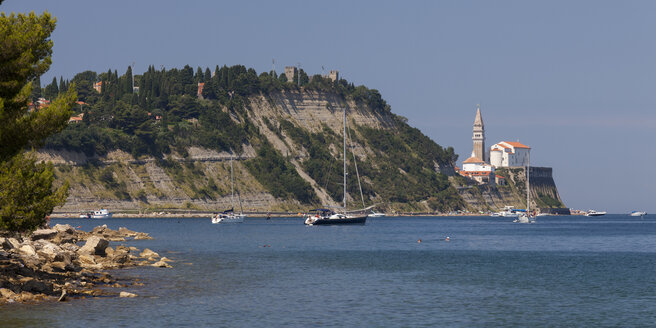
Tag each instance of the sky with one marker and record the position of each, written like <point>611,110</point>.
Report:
<point>574,80</point>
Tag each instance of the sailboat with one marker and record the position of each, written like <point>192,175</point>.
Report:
<point>321,216</point>
<point>229,216</point>
<point>527,217</point>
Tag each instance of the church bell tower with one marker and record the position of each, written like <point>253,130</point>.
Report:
<point>479,136</point>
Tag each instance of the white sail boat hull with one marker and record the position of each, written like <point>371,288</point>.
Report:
<point>229,216</point>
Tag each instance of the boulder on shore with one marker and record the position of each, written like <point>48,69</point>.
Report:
<point>43,234</point>
<point>95,246</point>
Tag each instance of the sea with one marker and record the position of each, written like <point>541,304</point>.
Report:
<point>563,271</point>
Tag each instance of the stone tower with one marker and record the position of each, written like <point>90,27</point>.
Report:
<point>290,71</point>
<point>333,75</point>
<point>479,136</point>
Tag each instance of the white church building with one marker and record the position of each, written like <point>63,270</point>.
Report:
<point>502,154</point>
<point>509,154</point>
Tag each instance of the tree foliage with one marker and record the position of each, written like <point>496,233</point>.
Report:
<point>27,196</point>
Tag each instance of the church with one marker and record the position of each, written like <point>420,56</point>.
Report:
<point>481,167</point>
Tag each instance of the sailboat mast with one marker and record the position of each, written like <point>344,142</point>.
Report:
<point>232,184</point>
<point>344,159</point>
<point>528,184</point>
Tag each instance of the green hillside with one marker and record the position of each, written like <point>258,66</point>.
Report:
<point>245,115</point>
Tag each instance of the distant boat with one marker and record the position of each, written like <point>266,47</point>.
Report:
<point>376,214</point>
<point>508,212</point>
<point>100,214</point>
<point>322,216</point>
<point>527,216</point>
<point>326,217</point>
<point>594,213</point>
<point>229,216</point>
<point>638,213</point>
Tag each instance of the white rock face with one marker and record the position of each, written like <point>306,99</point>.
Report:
<point>95,245</point>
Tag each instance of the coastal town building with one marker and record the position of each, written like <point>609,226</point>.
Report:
<point>199,92</point>
<point>76,119</point>
<point>509,154</point>
<point>476,167</point>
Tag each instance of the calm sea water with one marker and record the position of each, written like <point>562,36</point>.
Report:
<point>560,272</point>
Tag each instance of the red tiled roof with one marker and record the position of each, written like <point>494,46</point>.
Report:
<point>473,160</point>
<point>517,144</point>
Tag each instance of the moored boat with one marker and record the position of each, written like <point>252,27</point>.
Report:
<point>527,216</point>
<point>327,217</point>
<point>100,214</point>
<point>376,214</point>
<point>638,213</point>
<point>595,213</point>
<point>322,216</point>
<point>229,216</point>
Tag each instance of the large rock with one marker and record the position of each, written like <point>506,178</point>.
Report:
<point>149,254</point>
<point>65,234</point>
<point>161,264</point>
<point>43,234</point>
<point>10,243</point>
<point>7,293</point>
<point>126,232</point>
<point>36,287</point>
<point>67,228</point>
<point>47,249</point>
<point>126,294</point>
<point>95,245</point>
<point>27,250</point>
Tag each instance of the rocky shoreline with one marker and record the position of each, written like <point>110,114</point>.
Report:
<point>50,264</point>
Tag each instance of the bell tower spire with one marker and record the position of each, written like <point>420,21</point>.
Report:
<point>479,136</point>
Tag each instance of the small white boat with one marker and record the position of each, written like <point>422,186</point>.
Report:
<point>508,212</point>
<point>543,214</point>
<point>527,216</point>
<point>638,213</point>
<point>100,214</point>
<point>376,214</point>
<point>229,217</point>
<point>594,213</point>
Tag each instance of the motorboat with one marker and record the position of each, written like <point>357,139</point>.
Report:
<point>374,214</point>
<point>594,213</point>
<point>638,213</point>
<point>507,212</point>
<point>99,214</point>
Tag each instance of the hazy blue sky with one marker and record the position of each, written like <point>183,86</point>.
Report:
<point>575,80</point>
